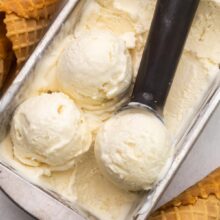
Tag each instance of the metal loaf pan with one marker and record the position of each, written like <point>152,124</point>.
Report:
<point>45,205</point>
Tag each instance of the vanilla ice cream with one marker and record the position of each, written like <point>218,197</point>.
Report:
<point>94,68</point>
<point>203,40</point>
<point>137,12</point>
<point>102,16</point>
<point>49,129</point>
<point>132,148</point>
<point>83,184</point>
<point>97,194</point>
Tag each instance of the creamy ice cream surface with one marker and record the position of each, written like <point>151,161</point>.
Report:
<point>99,15</point>
<point>204,36</point>
<point>49,129</point>
<point>193,75</point>
<point>97,194</point>
<point>197,69</point>
<point>122,28</point>
<point>132,148</point>
<point>137,10</point>
<point>94,68</point>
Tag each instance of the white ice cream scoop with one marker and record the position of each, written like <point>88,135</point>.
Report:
<point>94,67</point>
<point>49,130</point>
<point>133,149</point>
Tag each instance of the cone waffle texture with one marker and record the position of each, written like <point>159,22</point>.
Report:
<point>24,35</point>
<point>26,21</point>
<point>208,186</point>
<point>30,8</point>
<point>5,52</point>
<point>203,209</point>
<point>199,202</point>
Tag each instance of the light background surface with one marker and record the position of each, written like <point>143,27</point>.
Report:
<point>204,157</point>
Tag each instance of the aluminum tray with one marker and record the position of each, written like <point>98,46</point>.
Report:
<point>21,190</point>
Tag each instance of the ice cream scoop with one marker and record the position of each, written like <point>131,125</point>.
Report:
<point>94,68</point>
<point>49,130</point>
<point>133,148</point>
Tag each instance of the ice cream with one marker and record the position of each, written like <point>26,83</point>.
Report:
<point>204,36</point>
<point>193,75</point>
<point>197,69</point>
<point>95,68</point>
<point>101,16</point>
<point>84,183</point>
<point>49,129</point>
<point>137,12</point>
<point>132,148</point>
<point>129,20</point>
<point>97,194</point>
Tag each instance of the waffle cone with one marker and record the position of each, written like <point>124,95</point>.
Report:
<point>203,209</point>
<point>30,8</point>
<point>6,53</point>
<point>26,22</point>
<point>201,201</point>
<point>210,185</point>
<point>24,35</point>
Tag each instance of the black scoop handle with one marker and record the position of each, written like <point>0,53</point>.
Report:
<point>169,29</point>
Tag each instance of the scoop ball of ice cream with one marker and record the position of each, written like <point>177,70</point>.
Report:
<point>94,67</point>
<point>133,149</point>
<point>49,129</point>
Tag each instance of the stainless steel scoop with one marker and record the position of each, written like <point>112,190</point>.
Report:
<point>169,29</point>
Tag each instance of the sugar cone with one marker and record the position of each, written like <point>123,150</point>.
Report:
<point>26,22</point>
<point>201,201</point>
<point>6,53</point>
